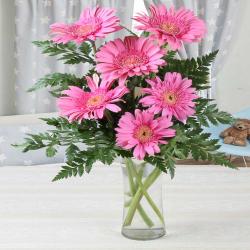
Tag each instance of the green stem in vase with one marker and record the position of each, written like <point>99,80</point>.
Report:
<point>139,194</point>
<point>133,190</point>
<point>139,173</point>
<point>145,193</point>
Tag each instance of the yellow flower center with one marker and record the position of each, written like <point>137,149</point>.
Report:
<point>84,30</point>
<point>131,60</point>
<point>170,28</point>
<point>169,98</point>
<point>94,101</point>
<point>144,133</point>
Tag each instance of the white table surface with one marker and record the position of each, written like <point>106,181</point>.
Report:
<point>205,208</point>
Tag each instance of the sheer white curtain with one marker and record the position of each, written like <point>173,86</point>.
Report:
<point>32,20</point>
<point>221,19</point>
<point>7,62</point>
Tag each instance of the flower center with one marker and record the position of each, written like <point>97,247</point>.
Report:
<point>131,60</point>
<point>170,28</point>
<point>94,101</point>
<point>169,98</point>
<point>84,30</point>
<point>144,133</point>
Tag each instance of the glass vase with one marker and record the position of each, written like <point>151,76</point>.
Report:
<point>142,211</point>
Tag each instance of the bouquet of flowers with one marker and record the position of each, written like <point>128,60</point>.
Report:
<point>137,101</point>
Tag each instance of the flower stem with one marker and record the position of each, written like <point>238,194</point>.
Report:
<point>139,194</point>
<point>130,31</point>
<point>109,117</point>
<point>133,189</point>
<point>145,193</point>
<point>94,47</point>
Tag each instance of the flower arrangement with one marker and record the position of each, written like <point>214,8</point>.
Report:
<point>137,100</point>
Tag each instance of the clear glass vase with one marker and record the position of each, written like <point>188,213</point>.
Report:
<point>142,212</point>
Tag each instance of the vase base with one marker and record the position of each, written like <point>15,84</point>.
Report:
<point>143,234</point>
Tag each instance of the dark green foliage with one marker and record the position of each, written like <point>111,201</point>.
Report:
<point>189,140</point>
<point>197,70</point>
<point>165,162</point>
<point>69,53</point>
<point>51,151</point>
<point>207,112</point>
<point>58,82</point>
<point>170,55</point>
<point>91,141</point>
<point>100,144</point>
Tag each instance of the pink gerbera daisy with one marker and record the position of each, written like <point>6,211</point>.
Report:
<point>93,23</point>
<point>134,56</point>
<point>78,104</point>
<point>172,26</point>
<point>173,97</point>
<point>143,133</point>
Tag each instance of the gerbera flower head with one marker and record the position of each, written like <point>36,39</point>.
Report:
<point>78,104</point>
<point>172,26</point>
<point>93,23</point>
<point>122,59</point>
<point>143,133</point>
<point>173,97</point>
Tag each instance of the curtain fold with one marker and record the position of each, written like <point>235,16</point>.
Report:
<point>33,18</point>
<point>221,19</point>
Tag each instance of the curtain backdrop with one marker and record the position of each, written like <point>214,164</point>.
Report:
<point>220,17</point>
<point>33,18</point>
